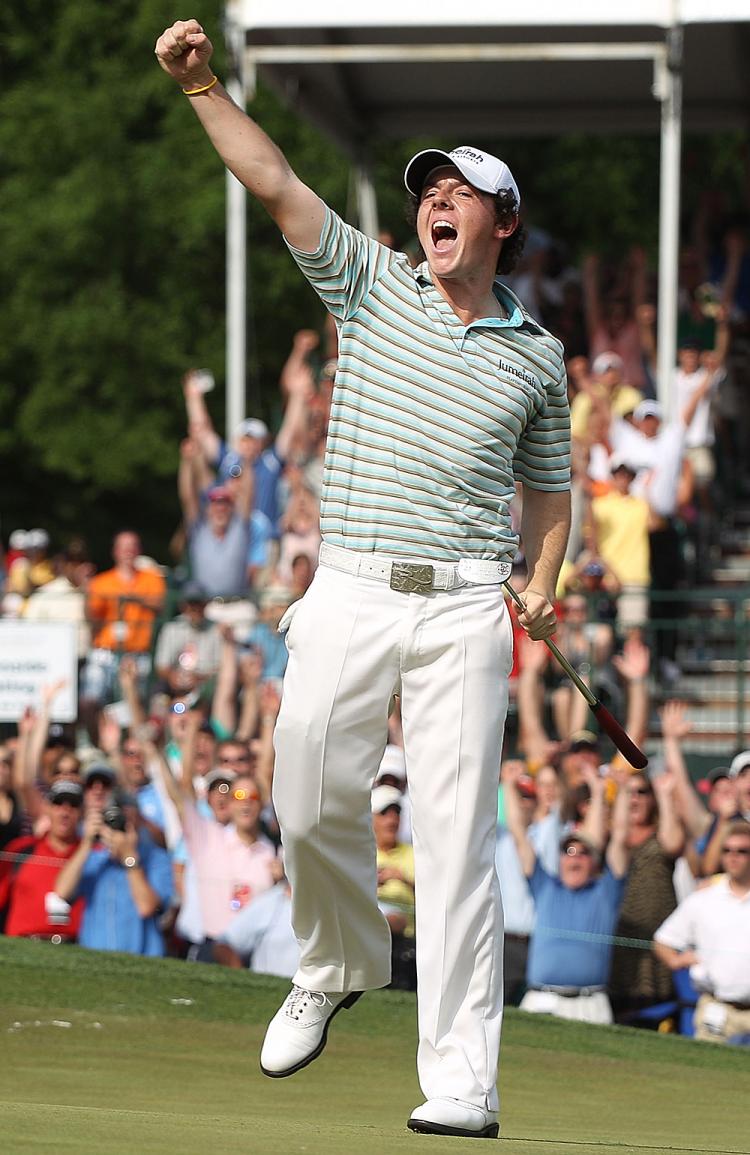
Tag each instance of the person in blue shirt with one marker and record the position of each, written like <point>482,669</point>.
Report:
<point>142,788</point>
<point>518,904</point>
<point>126,882</point>
<point>264,636</point>
<point>571,945</point>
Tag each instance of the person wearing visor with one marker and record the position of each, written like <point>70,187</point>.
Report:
<point>230,860</point>
<point>446,394</point>
<point>29,907</point>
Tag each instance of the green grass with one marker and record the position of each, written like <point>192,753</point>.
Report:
<point>136,1072</point>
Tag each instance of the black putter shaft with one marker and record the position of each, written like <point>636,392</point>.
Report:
<point>607,721</point>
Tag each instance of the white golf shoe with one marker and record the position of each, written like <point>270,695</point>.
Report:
<point>298,1031</point>
<point>446,1116</point>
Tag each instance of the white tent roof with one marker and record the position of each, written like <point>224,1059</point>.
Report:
<point>400,68</point>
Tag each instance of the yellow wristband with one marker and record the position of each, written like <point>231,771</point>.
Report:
<point>206,87</point>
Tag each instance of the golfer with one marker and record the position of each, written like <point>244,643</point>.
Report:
<point>446,392</point>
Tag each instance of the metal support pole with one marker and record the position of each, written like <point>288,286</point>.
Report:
<point>668,89</point>
<point>367,205</point>
<point>236,253</point>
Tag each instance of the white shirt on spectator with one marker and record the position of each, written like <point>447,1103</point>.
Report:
<point>657,460</point>
<point>700,431</point>
<point>715,923</point>
<point>262,932</point>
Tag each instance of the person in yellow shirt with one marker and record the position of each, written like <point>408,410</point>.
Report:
<point>606,384</point>
<point>620,525</point>
<point>395,862</point>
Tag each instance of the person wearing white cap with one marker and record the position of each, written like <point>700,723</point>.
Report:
<point>251,446</point>
<point>392,772</point>
<point>30,568</point>
<point>739,771</point>
<point>446,394</point>
<point>610,387</point>
<point>395,861</point>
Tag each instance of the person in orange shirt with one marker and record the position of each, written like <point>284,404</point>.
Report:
<point>122,606</point>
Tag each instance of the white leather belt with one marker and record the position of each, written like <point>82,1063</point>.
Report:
<point>415,577</point>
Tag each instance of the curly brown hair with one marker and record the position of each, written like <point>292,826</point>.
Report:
<point>506,211</point>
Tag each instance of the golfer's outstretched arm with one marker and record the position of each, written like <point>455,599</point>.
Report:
<point>184,52</point>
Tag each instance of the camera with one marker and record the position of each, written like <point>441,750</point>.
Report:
<point>113,816</point>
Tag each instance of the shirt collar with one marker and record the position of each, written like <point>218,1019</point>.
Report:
<point>724,884</point>
<point>517,317</point>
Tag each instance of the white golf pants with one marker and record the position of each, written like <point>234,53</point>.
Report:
<point>354,642</point>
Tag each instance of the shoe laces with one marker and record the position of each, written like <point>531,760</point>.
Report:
<point>299,999</point>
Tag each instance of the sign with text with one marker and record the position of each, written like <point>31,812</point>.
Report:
<point>34,657</point>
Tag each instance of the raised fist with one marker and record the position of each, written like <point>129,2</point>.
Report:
<point>184,51</point>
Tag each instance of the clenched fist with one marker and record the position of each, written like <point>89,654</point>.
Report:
<point>184,51</point>
<point>538,617</point>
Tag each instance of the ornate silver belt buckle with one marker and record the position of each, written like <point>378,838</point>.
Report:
<point>409,578</point>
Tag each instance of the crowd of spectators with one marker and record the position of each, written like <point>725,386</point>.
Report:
<point>147,825</point>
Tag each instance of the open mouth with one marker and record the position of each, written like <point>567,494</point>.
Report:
<point>444,235</point>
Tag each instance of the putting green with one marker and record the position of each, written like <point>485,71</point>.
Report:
<point>110,1055</point>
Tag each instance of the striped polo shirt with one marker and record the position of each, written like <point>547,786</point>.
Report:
<point>432,421</point>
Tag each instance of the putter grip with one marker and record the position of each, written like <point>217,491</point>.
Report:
<point>627,748</point>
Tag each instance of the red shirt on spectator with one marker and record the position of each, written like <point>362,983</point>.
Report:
<point>23,886</point>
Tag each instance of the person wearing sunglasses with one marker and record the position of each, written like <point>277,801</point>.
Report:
<point>656,838</point>
<point>709,933</point>
<point>570,950</point>
<point>232,863</point>
<point>29,867</point>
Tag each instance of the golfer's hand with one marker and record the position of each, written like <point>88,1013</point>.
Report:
<point>184,51</point>
<point>538,617</point>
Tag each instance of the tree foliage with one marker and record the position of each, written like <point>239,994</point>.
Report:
<point>112,233</point>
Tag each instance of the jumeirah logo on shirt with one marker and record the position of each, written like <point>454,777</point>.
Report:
<point>521,374</point>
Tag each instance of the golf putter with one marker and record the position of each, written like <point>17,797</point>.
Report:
<point>607,721</point>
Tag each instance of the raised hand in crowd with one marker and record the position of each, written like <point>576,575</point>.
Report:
<point>533,661</point>
<point>594,825</point>
<point>193,477</point>
<point>298,383</point>
<point>269,704</point>
<point>69,877</point>
<point>128,677</point>
<point>618,850</point>
<point>33,728</point>
<point>675,727</point>
<point>297,370</point>
<point>207,443</point>
<point>249,669</point>
<point>670,830</point>
<point>725,809</point>
<point>633,667</point>
<point>224,704</point>
<point>511,770</point>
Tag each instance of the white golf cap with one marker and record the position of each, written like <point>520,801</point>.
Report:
<point>385,796</point>
<point>648,409</point>
<point>485,172</point>
<point>606,361</point>
<point>252,427</point>
<point>392,762</point>
<point>739,763</point>
<point>19,539</point>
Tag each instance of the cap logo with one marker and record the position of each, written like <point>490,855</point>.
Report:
<point>476,157</point>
